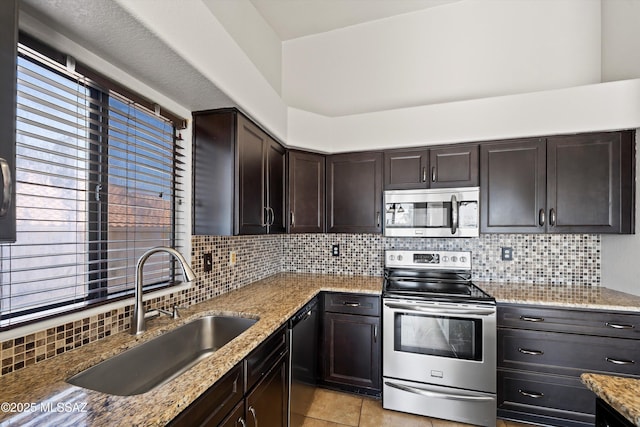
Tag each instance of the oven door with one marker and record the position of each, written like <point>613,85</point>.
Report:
<point>443,343</point>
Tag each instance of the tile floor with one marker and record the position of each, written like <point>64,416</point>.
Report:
<point>333,409</point>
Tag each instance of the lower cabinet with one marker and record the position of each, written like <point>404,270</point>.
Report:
<point>606,416</point>
<point>255,392</point>
<point>351,343</point>
<point>542,351</point>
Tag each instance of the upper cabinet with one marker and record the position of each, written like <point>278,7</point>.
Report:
<point>564,184</point>
<point>8,54</point>
<point>238,176</point>
<point>439,167</point>
<point>306,192</point>
<point>354,193</point>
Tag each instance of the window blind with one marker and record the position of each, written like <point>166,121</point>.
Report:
<point>98,182</point>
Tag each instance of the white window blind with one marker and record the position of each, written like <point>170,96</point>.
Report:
<point>97,183</point>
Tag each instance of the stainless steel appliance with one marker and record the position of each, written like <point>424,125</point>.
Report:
<point>439,338</point>
<point>303,339</point>
<point>442,212</point>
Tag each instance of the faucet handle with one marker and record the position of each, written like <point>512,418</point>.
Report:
<point>176,314</point>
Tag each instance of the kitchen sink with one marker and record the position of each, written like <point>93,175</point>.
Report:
<point>161,359</point>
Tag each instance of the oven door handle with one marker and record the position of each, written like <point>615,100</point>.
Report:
<point>438,394</point>
<point>444,311</point>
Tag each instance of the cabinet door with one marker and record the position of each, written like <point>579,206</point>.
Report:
<point>512,186</point>
<point>252,144</point>
<point>454,166</point>
<point>306,192</point>
<point>236,418</point>
<point>8,52</point>
<point>276,160</point>
<point>354,193</point>
<point>352,351</point>
<point>406,169</point>
<point>584,183</point>
<point>268,403</point>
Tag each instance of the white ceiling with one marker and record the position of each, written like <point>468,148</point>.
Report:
<point>298,18</point>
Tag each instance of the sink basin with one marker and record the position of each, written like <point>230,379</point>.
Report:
<point>161,359</point>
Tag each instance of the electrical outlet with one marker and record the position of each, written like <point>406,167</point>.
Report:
<point>232,258</point>
<point>208,262</point>
<point>335,250</point>
<point>507,254</point>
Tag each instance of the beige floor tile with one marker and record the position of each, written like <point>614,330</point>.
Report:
<point>444,423</point>
<point>298,420</point>
<point>336,407</point>
<point>374,416</point>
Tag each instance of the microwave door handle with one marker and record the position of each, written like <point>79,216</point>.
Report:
<point>433,393</point>
<point>442,311</point>
<point>454,214</point>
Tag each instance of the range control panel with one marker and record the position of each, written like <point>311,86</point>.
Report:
<point>441,260</point>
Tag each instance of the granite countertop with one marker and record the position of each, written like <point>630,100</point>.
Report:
<point>622,394</point>
<point>51,401</point>
<point>578,296</point>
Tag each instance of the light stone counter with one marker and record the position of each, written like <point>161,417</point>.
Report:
<point>587,297</point>
<point>622,394</point>
<point>273,300</point>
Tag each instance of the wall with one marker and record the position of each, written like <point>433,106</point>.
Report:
<point>620,39</point>
<point>464,50</point>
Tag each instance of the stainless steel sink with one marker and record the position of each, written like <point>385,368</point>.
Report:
<point>161,359</point>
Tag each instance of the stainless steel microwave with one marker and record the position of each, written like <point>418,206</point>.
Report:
<point>442,212</point>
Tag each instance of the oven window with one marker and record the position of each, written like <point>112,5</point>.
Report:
<point>453,337</point>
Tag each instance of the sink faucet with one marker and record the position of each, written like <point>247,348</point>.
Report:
<point>138,325</point>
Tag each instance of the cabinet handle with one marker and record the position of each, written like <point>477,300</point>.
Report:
<point>552,217</point>
<point>292,220</point>
<point>424,174</point>
<point>619,361</point>
<point>265,217</point>
<point>273,216</point>
<point>532,394</point>
<point>7,187</point>
<point>351,304</point>
<point>531,352</point>
<point>253,414</point>
<point>433,174</point>
<point>532,319</point>
<point>378,219</point>
<point>541,218</point>
<point>241,422</point>
<point>375,333</point>
<point>619,326</point>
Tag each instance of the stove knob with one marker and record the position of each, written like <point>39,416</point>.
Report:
<point>454,259</point>
<point>399,257</point>
<point>445,259</point>
<point>463,259</point>
<point>392,257</point>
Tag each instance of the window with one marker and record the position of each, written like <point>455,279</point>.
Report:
<point>97,185</point>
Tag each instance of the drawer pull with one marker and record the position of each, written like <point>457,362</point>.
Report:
<point>351,304</point>
<point>619,362</point>
<point>532,352</point>
<point>619,326</point>
<point>532,319</point>
<point>531,394</point>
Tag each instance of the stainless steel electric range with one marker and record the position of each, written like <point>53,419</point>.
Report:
<point>439,338</point>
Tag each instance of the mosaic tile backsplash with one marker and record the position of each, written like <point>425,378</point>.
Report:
<point>545,258</point>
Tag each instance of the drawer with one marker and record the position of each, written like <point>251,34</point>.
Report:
<point>590,322</point>
<point>567,354</point>
<point>366,305</point>
<point>546,399</point>
<point>262,359</point>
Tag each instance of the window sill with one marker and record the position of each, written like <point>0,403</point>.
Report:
<point>31,328</point>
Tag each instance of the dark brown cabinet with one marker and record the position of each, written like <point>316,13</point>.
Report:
<point>255,392</point>
<point>606,416</point>
<point>351,343</point>
<point>306,192</point>
<point>238,176</point>
<point>354,193</point>
<point>564,184</point>
<point>542,351</point>
<point>438,167</point>
<point>8,55</point>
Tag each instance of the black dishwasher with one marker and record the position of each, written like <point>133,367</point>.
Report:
<point>303,329</point>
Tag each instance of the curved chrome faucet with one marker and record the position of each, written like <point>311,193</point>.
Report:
<point>138,324</point>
